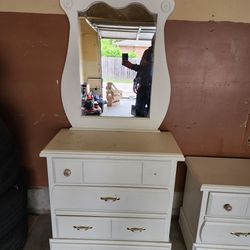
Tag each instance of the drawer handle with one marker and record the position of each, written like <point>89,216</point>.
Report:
<point>82,228</point>
<point>136,229</point>
<point>67,172</point>
<point>110,199</point>
<point>227,207</point>
<point>238,234</point>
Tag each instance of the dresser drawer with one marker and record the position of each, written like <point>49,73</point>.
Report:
<point>77,227</point>
<point>105,199</point>
<point>104,245</point>
<point>67,170</point>
<point>83,227</point>
<point>225,233</point>
<point>227,204</point>
<point>138,229</point>
<point>112,172</point>
<point>117,172</point>
<point>216,247</point>
<point>157,173</point>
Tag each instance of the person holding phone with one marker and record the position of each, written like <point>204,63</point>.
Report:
<point>142,81</point>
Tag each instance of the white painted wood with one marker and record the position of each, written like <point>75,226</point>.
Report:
<point>70,87</point>
<point>113,145</point>
<point>186,232</point>
<point>248,209</point>
<point>217,228</point>
<point>112,172</point>
<point>67,170</point>
<point>128,199</point>
<point>217,201</point>
<point>191,208</point>
<point>111,187</point>
<point>83,227</point>
<point>219,247</point>
<point>157,173</point>
<point>219,172</point>
<point>220,233</point>
<point>106,245</point>
<point>151,230</point>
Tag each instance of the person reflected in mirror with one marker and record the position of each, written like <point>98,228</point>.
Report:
<point>142,81</point>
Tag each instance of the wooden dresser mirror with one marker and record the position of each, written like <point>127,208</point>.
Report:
<point>113,19</point>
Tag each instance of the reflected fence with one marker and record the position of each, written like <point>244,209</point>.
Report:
<point>112,70</point>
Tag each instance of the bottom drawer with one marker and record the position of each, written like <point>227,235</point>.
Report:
<point>78,227</point>
<point>105,245</point>
<point>75,227</point>
<point>139,229</point>
<point>226,233</point>
<point>216,247</point>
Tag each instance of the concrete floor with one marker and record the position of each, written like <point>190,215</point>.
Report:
<point>40,232</point>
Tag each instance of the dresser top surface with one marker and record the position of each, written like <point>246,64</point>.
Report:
<point>220,171</point>
<point>88,141</point>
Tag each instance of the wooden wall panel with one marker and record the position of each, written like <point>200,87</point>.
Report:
<point>210,77</point>
<point>208,63</point>
<point>32,53</point>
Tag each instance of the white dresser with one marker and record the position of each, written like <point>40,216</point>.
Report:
<point>111,190</point>
<point>216,206</point>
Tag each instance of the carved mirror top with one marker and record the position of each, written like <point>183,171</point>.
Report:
<point>119,13</point>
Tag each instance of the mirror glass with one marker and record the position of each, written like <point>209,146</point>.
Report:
<point>116,60</point>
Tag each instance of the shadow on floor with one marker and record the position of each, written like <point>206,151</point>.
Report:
<point>40,233</point>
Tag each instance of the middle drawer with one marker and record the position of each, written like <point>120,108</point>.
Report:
<point>106,199</point>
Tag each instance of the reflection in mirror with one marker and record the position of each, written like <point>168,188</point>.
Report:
<point>116,61</point>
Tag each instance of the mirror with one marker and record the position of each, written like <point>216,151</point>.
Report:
<point>100,91</point>
<point>116,60</point>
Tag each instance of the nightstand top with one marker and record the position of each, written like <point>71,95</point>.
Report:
<point>220,171</point>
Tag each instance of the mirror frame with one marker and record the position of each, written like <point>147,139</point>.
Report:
<point>70,85</point>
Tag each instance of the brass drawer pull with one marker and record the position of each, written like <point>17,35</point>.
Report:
<point>228,207</point>
<point>67,172</point>
<point>82,228</point>
<point>110,199</point>
<point>238,234</point>
<point>136,229</point>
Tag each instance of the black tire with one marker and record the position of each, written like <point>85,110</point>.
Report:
<point>16,238</point>
<point>9,159</point>
<point>12,207</point>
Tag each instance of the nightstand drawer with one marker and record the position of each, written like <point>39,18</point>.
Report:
<point>225,233</point>
<point>138,229</point>
<point>110,199</point>
<point>83,227</point>
<point>67,170</point>
<point>227,204</point>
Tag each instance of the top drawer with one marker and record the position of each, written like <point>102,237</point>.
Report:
<point>227,204</point>
<point>112,172</point>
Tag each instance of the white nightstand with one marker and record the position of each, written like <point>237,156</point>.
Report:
<point>216,206</point>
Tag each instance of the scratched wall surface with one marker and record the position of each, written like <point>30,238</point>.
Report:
<point>32,52</point>
<point>208,64</point>
<point>209,112</point>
